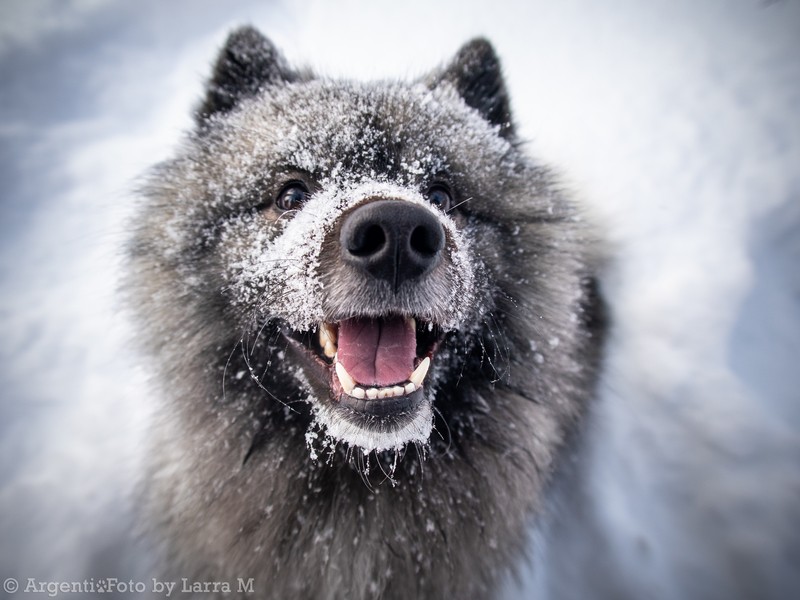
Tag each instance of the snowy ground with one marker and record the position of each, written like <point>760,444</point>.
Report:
<point>677,123</point>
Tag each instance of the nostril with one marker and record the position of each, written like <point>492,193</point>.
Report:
<point>426,241</point>
<point>367,241</point>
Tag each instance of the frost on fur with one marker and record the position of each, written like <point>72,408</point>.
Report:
<point>290,261</point>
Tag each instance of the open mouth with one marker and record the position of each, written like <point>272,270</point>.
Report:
<point>374,366</point>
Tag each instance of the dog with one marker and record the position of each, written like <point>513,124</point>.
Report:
<point>376,326</point>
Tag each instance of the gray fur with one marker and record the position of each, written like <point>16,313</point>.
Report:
<point>244,482</point>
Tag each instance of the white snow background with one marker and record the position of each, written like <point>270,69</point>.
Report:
<point>676,122</point>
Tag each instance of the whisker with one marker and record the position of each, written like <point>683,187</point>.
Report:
<point>386,476</point>
<point>261,385</point>
<point>452,208</point>
<point>447,429</point>
<point>363,469</point>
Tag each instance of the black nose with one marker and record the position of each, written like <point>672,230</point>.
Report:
<point>392,240</point>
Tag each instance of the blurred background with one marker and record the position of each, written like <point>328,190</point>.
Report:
<point>676,123</point>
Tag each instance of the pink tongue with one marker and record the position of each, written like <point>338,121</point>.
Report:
<point>377,352</point>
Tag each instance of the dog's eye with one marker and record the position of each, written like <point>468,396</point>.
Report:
<point>440,197</point>
<point>292,196</point>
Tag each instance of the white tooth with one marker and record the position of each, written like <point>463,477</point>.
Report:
<point>419,373</point>
<point>358,392</point>
<point>398,390</point>
<point>327,333</point>
<point>413,322</point>
<point>323,335</point>
<point>327,339</point>
<point>372,393</point>
<point>410,388</point>
<point>384,392</point>
<point>348,383</point>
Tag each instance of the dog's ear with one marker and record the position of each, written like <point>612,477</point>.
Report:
<point>476,74</point>
<point>247,63</point>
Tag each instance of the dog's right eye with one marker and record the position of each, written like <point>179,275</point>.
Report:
<point>292,196</point>
<point>440,197</point>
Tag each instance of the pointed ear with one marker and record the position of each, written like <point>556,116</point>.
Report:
<point>246,64</point>
<point>476,74</point>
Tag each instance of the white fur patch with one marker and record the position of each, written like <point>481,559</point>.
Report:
<point>418,430</point>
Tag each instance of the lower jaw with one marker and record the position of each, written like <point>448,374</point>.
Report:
<point>369,430</point>
<point>384,407</point>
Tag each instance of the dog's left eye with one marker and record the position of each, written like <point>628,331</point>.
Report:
<point>292,196</point>
<point>440,197</point>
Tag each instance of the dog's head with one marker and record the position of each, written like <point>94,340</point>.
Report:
<point>363,248</point>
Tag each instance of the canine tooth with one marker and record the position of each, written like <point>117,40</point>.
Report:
<point>322,334</point>
<point>419,373</point>
<point>358,392</point>
<point>327,334</point>
<point>348,383</point>
<point>413,322</point>
<point>327,339</point>
<point>410,388</point>
<point>372,393</point>
<point>398,390</point>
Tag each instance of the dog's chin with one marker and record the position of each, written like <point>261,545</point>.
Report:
<point>411,425</point>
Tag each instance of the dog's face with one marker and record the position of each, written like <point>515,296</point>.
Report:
<point>363,248</point>
<point>358,251</point>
